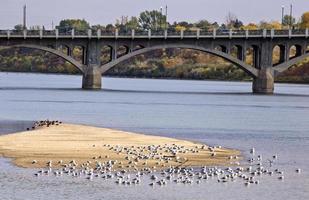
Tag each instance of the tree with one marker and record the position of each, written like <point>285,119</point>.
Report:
<point>288,20</point>
<point>305,20</point>
<point>152,20</point>
<point>109,27</point>
<point>133,23</point>
<point>250,26</point>
<point>232,22</point>
<point>180,28</point>
<point>18,27</point>
<point>270,25</point>
<point>76,24</point>
<point>203,24</point>
<point>206,25</point>
<point>97,27</point>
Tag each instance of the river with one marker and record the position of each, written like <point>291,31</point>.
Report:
<point>216,113</point>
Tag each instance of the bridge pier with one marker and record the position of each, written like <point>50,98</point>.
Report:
<point>264,83</point>
<point>92,78</point>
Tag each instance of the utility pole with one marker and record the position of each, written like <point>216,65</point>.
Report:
<point>161,14</point>
<point>282,16</point>
<point>291,16</point>
<point>24,17</point>
<point>166,17</point>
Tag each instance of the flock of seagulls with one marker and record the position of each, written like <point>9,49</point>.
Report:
<point>43,123</point>
<point>136,169</point>
<point>161,165</point>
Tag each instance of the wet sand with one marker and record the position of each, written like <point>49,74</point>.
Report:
<point>85,144</point>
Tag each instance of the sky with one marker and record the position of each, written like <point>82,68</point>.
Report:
<point>46,12</point>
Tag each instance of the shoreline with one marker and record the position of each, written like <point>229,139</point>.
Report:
<point>58,146</point>
<point>160,78</point>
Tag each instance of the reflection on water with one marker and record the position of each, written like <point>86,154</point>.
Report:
<point>223,113</point>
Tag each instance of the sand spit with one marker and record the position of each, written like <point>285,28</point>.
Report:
<point>57,146</point>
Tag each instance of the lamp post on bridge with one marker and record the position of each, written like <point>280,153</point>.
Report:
<point>282,16</point>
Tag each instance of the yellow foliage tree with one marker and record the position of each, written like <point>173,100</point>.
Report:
<point>250,26</point>
<point>179,28</point>
<point>305,20</point>
<point>270,25</point>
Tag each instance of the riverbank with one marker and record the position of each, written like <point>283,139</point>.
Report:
<point>56,146</point>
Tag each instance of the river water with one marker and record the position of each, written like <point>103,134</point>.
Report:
<point>216,113</point>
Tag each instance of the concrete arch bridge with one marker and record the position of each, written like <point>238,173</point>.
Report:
<point>232,45</point>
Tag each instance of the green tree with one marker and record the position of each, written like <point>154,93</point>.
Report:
<point>288,20</point>
<point>152,20</point>
<point>18,27</point>
<point>133,23</point>
<point>76,24</point>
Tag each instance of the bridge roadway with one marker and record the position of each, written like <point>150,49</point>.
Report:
<point>231,45</point>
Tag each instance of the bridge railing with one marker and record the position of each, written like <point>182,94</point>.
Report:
<point>299,31</point>
<point>281,32</point>
<point>175,33</point>
<point>255,32</point>
<point>81,33</point>
<point>206,33</point>
<point>49,33</point>
<point>125,33</point>
<point>155,33</point>
<point>65,32</point>
<point>33,32</point>
<point>107,33</point>
<point>189,33</point>
<point>3,32</point>
<point>141,32</point>
<point>239,32</point>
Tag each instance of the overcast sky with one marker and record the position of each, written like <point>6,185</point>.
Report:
<point>43,12</point>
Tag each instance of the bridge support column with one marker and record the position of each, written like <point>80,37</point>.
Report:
<point>264,83</point>
<point>92,78</point>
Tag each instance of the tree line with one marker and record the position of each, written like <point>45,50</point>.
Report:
<point>155,20</point>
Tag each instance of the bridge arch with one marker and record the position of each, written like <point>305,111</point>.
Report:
<point>247,68</point>
<point>278,54</point>
<point>221,48</point>
<point>122,50</point>
<point>79,53</point>
<point>295,51</point>
<point>238,52</point>
<point>253,55</point>
<point>286,65</point>
<point>138,47</point>
<point>106,54</point>
<point>71,60</point>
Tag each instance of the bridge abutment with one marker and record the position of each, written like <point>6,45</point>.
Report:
<point>92,78</point>
<point>264,83</point>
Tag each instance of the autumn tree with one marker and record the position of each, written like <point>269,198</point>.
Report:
<point>305,20</point>
<point>250,26</point>
<point>270,25</point>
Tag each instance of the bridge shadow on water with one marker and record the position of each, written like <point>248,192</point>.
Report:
<point>104,90</point>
